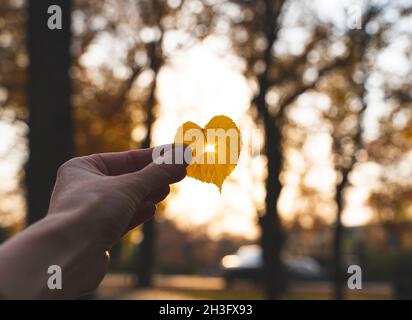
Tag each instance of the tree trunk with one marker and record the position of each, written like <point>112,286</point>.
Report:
<point>50,136</point>
<point>271,239</point>
<point>146,257</point>
<point>338,272</point>
<point>271,229</point>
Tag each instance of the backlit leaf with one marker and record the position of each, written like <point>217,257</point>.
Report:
<point>216,149</point>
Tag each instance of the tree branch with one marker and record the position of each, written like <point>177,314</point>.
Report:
<point>305,87</point>
<point>271,32</point>
<point>127,86</point>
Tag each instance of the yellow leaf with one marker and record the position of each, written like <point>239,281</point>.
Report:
<point>216,149</point>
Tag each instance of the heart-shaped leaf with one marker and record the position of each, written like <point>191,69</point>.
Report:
<point>216,149</point>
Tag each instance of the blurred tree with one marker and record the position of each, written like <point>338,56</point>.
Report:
<point>390,198</point>
<point>115,100</point>
<point>50,135</point>
<point>154,11</point>
<point>392,205</point>
<point>158,16</point>
<point>13,113</point>
<point>280,79</point>
<point>348,95</point>
<point>114,111</point>
<point>348,92</point>
<point>13,59</point>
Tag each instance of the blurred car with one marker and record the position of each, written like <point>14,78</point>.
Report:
<point>247,263</point>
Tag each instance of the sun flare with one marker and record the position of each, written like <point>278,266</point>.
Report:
<point>210,147</point>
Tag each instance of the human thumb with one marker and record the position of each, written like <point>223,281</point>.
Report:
<point>165,169</point>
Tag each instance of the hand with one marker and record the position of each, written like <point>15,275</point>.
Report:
<point>119,191</point>
<point>96,200</point>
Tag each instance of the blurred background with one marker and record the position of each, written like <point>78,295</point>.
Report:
<point>326,85</point>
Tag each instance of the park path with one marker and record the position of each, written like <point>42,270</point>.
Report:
<point>121,286</point>
<point>186,282</point>
<point>154,294</point>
